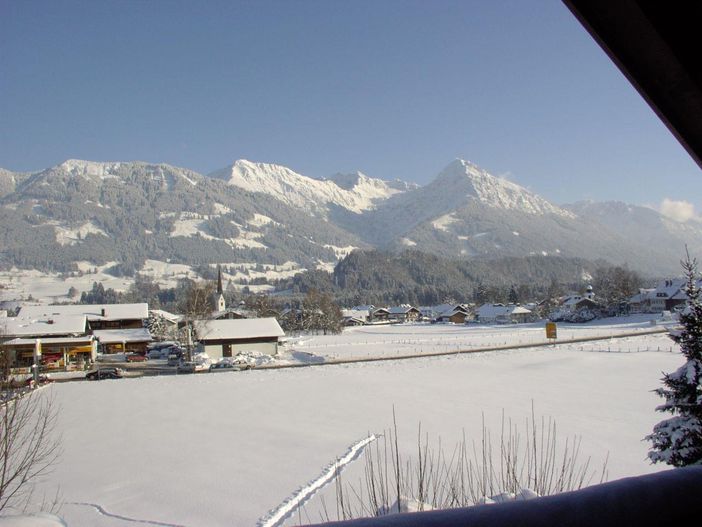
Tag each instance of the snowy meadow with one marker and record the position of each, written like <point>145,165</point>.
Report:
<point>233,448</point>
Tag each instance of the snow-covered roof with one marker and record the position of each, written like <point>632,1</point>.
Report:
<point>642,295</point>
<point>243,313</point>
<point>92,311</point>
<point>244,328</point>
<point>669,287</point>
<point>46,325</point>
<point>496,310</point>
<point>166,315</point>
<point>354,313</point>
<point>575,299</point>
<point>51,340</point>
<point>452,312</point>
<point>443,309</point>
<point>366,308</point>
<point>114,336</point>
<point>519,310</point>
<point>401,310</point>
<point>491,310</point>
<point>680,295</point>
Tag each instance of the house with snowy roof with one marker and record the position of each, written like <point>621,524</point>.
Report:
<point>129,340</point>
<point>503,314</point>
<point>354,317</point>
<point>379,314</point>
<point>455,316</point>
<point>403,313</point>
<point>226,338</point>
<point>442,311</point>
<point>577,302</point>
<point>64,340</point>
<point>99,316</point>
<point>641,301</point>
<point>121,327</point>
<point>667,295</point>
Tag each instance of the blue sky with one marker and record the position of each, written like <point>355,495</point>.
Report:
<point>395,89</point>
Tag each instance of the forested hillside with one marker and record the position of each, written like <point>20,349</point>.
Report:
<point>420,278</point>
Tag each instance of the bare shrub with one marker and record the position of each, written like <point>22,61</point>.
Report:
<point>29,445</point>
<point>531,458</point>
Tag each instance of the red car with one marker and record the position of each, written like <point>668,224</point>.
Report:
<point>136,357</point>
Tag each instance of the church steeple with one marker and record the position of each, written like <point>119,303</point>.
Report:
<point>218,297</point>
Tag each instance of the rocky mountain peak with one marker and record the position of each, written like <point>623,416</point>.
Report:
<point>466,178</point>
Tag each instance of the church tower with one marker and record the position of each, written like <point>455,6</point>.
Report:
<point>218,302</point>
<point>589,293</point>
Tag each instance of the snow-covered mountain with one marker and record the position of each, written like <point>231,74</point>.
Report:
<point>464,179</point>
<point>268,214</point>
<point>128,212</point>
<point>458,200</point>
<point>466,212</point>
<point>354,192</point>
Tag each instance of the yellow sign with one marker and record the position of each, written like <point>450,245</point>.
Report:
<point>551,330</point>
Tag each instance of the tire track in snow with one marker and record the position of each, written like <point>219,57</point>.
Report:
<point>288,507</point>
<point>103,512</point>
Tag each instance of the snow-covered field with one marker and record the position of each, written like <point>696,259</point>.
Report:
<point>17,284</point>
<point>408,339</point>
<point>231,448</point>
<point>20,284</point>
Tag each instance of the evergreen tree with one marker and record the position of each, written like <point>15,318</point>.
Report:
<point>677,441</point>
<point>513,296</point>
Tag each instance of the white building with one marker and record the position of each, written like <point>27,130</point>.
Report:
<point>503,314</point>
<point>353,316</point>
<point>226,338</point>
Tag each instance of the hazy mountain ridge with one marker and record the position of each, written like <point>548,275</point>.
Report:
<point>266,213</point>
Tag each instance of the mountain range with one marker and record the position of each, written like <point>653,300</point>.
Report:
<point>128,212</point>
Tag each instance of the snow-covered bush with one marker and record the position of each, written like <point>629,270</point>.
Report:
<point>29,447</point>
<point>520,464</point>
<point>677,440</point>
<point>565,315</point>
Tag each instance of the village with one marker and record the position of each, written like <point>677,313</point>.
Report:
<point>96,341</point>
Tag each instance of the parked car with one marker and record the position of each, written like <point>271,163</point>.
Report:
<point>229,364</point>
<point>186,367</point>
<point>161,350</point>
<point>175,357</point>
<point>135,357</point>
<point>158,353</point>
<point>104,373</point>
<point>224,366</point>
<point>163,344</point>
